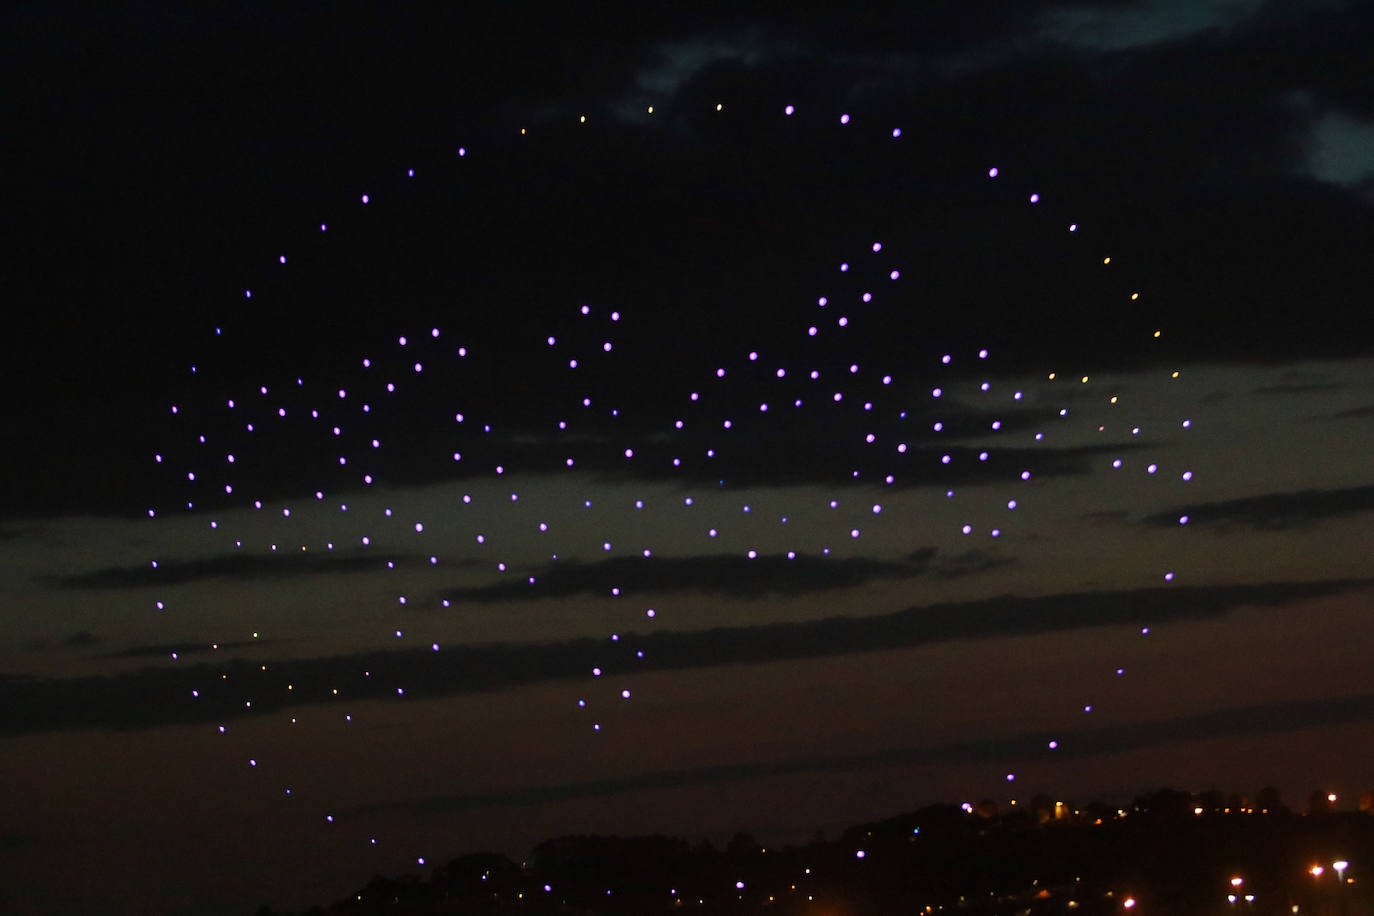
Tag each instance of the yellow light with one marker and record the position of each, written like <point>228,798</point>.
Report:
<point>1106,260</point>
<point>1085,380</point>
<point>1331,797</point>
<point>1128,902</point>
<point>1113,399</point>
<point>1052,375</point>
<point>1316,871</point>
<point>1135,296</point>
<point>1157,333</point>
<point>719,106</point>
<point>651,109</point>
<point>522,131</point>
<point>582,119</point>
<point>1174,374</point>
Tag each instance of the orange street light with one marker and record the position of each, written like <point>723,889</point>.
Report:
<point>1316,871</point>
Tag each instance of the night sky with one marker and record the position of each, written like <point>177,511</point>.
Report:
<point>438,431</point>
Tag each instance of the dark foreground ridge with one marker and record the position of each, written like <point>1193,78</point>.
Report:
<point>1168,851</point>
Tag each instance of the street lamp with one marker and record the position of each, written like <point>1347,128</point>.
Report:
<point>1316,871</point>
<point>1340,865</point>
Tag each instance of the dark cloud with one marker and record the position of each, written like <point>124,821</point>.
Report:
<point>724,574</point>
<point>761,461</point>
<point>82,639</point>
<point>245,566</point>
<point>9,840</point>
<point>1263,719</point>
<point>1300,387</point>
<point>168,650</point>
<point>1356,413</point>
<point>157,696</point>
<point>969,563</point>
<point>1273,511</point>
